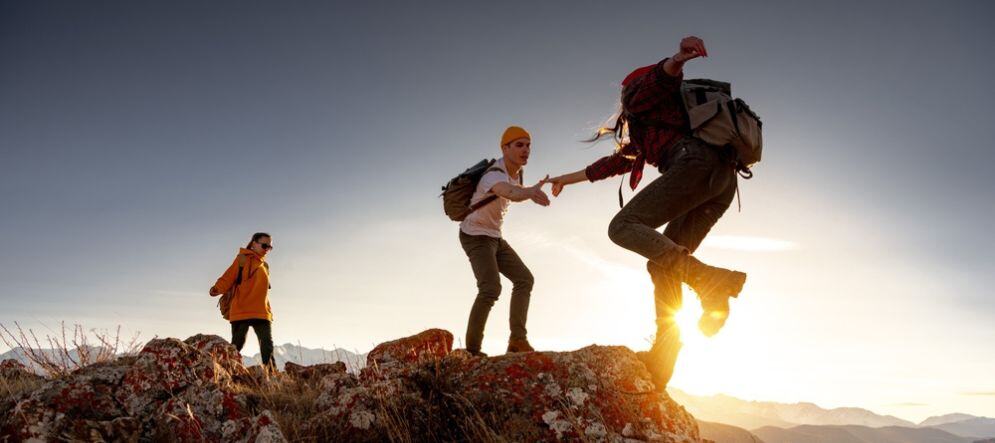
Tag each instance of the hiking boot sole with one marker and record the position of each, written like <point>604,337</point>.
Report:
<point>715,305</point>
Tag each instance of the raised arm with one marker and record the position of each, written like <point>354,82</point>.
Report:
<point>690,48</point>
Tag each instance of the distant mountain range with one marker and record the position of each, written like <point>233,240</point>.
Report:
<point>978,427</point>
<point>857,434</point>
<point>757,414</point>
<point>282,354</point>
<point>311,356</point>
<point>806,422</point>
<point>722,433</point>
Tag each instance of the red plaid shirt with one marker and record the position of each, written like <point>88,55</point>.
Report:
<point>656,121</point>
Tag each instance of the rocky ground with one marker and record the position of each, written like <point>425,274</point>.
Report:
<point>413,389</point>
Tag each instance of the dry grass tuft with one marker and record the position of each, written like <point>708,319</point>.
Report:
<point>15,387</point>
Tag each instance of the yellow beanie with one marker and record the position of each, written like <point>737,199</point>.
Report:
<point>514,133</point>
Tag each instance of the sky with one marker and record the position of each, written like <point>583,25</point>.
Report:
<point>144,142</point>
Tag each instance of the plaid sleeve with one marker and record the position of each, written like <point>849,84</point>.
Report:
<point>608,166</point>
<point>663,82</point>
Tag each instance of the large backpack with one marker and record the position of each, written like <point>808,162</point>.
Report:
<point>721,120</point>
<point>224,303</point>
<point>457,193</point>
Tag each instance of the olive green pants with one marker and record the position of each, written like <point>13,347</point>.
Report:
<point>490,258</point>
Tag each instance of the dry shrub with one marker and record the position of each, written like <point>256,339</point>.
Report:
<point>72,349</point>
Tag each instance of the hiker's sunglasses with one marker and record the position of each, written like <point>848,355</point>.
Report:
<point>266,246</point>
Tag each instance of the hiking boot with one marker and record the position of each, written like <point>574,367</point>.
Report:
<point>476,353</point>
<point>516,345</point>
<point>660,363</point>
<point>714,286</point>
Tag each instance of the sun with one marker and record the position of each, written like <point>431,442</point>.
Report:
<point>687,320</point>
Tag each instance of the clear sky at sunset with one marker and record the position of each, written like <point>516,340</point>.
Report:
<point>143,143</point>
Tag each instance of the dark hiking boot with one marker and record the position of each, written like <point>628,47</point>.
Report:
<point>660,362</point>
<point>714,286</point>
<point>515,345</point>
<point>714,312</point>
<point>476,353</point>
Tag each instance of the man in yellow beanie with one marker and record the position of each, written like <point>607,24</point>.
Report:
<point>490,255</point>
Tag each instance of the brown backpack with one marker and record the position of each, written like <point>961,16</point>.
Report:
<point>224,303</point>
<point>458,192</point>
<point>721,120</point>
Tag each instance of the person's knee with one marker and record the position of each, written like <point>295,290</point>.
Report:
<point>489,291</point>
<point>617,230</point>
<point>524,283</point>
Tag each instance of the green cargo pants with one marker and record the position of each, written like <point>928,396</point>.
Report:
<point>490,258</point>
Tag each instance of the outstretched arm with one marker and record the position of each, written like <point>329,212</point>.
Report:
<point>518,193</point>
<point>567,179</point>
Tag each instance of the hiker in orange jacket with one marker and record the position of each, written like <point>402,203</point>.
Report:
<point>250,302</point>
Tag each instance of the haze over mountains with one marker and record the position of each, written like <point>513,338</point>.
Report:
<point>807,422</point>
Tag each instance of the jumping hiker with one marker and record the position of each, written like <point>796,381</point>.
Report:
<point>245,285</point>
<point>697,184</point>
<point>490,255</point>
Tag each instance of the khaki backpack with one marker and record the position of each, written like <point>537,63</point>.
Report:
<point>721,120</point>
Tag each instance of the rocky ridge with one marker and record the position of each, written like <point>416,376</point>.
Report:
<point>414,389</point>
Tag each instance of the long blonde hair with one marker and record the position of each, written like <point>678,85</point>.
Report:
<point>619,131</point>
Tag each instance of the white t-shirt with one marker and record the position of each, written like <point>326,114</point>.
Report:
<point>488,219</point>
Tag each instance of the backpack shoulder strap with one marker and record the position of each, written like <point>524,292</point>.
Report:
<point>242,260</point>
<point>487,200</point>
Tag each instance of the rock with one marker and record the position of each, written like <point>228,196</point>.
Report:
<point>164,368</point>
<point>426,346</point>
<point>259,429</point>
<point>198,415</point>
<point>597,393</point>
<point>65,405</point>
<point>371,411</point>
<point>313,372</point>
<point>223,352</point>
<point>171,391</point>
<point>600,393</point>
<point>11,369</point>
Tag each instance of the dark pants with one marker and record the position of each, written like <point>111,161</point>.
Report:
<point>697,184</point>
<point>263,330</point>
<point>490,258</point>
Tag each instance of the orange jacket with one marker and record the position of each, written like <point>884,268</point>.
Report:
<point>252,295</point>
